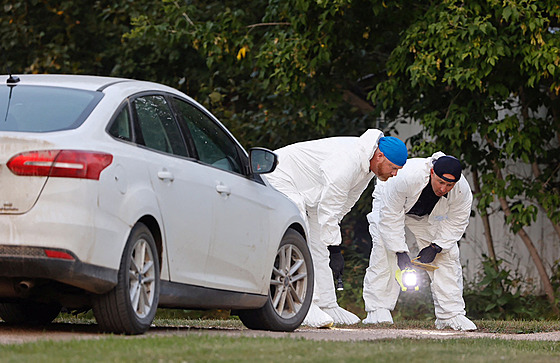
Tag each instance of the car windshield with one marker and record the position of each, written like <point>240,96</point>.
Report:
<point>44,109</point>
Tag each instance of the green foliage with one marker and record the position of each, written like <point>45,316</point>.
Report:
<point>483,78</point>
<point>498,296</point>
<point>48,36</point>
<point>276,72</point>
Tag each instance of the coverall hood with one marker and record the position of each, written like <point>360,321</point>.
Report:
<point>369,142</point>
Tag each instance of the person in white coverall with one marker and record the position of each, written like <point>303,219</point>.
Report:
<point>325,178</point>
<point>433,200</point>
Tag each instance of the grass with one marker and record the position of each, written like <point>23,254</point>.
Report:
<point>214,348</point>
<point>222,319</point>
<point>202,347</point>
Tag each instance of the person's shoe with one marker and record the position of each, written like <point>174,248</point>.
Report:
<point>317,318</point>
<point>341,316</point>
<point>378,316</point>
<point>458,322</point>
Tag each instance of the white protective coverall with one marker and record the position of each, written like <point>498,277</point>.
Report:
<point>325,178</point>
<point>444,226</point>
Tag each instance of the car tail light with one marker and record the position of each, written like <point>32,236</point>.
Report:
<point>60,163</point>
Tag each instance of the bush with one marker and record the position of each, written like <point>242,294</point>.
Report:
<point>498,296</point>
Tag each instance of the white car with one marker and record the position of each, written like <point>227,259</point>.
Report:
<point>122,195</point>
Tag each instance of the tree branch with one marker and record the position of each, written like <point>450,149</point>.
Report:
<point>485,223</point>
<point>184,14</point>
<point>268,24</point>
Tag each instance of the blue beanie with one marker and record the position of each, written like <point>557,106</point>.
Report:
<point>393,149</point>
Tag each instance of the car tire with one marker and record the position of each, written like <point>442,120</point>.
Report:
<point>291,288</point>
<point>29,313</point>
<point>130,306</point>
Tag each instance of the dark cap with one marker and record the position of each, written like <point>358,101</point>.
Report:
<point>448,165</point>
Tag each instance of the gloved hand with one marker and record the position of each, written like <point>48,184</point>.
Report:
<point>403,260</point>
<point>427,254</point>
<point>336,262</point>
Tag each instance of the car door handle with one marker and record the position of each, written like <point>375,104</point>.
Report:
<point>223,189</point>
<point>165,175</point>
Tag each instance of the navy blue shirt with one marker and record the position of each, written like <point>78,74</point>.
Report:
<point>426,202</point>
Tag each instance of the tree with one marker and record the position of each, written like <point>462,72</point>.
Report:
<point>49,36</point>
<point>275,72</point>
<point>483,79</point>
<point>279,71</point>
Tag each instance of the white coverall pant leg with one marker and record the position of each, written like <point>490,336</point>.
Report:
<point>447,280</point>
<point>381,289</point>
<point>324,294</point>
<point>447,283</point>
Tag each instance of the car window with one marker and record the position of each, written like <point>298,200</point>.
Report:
<point>44,109</point>
<point>120,128</point>
<point>157,125</point>
<point>212,143</point>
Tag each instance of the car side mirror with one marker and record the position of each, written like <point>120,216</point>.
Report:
<point>262,160</point>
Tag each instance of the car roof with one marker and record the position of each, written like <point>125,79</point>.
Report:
<point>84,82</point>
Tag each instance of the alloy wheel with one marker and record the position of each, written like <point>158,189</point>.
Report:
<point>142,278</point>
<point>288,284</point>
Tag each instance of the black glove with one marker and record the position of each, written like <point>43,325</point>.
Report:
<point>403,260</point>
<point>336,261</point>
<point>427,254</point>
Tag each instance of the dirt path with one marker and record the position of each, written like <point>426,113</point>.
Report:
<point>61,331</point>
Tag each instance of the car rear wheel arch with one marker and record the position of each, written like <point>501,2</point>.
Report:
<point>154,227</point>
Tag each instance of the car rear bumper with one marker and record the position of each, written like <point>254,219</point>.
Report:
<point>32,263</point>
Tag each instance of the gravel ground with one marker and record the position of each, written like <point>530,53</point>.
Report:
<point>63,331</point>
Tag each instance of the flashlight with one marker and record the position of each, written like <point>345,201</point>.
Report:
<point>407,278</point>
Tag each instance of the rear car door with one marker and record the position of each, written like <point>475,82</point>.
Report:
<point>240,218</point>
<point>180,184</point>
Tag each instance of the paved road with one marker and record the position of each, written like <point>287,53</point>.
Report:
<point>63,331</point>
